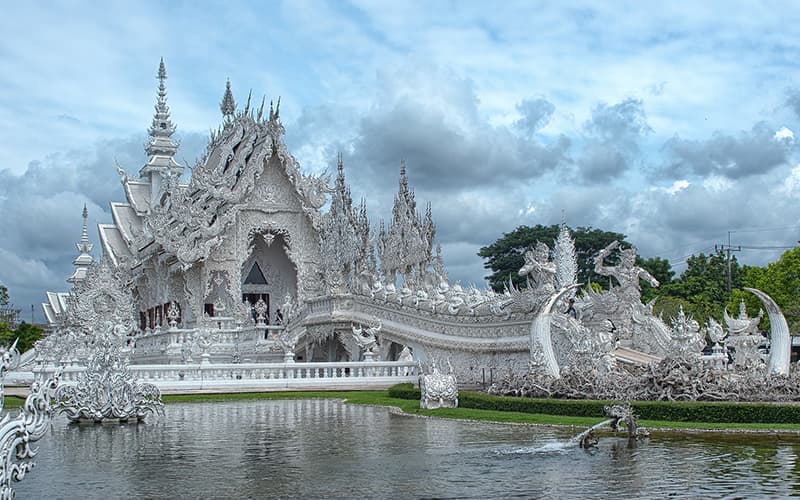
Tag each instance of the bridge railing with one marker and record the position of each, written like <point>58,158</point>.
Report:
<point>238,377</point>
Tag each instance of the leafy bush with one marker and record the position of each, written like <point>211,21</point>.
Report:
<point>405,391</point>
<point>695,411</point>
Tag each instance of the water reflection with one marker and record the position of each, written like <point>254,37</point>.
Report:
<point>322,448</point>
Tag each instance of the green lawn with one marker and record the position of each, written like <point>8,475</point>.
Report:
<point>380,398</point>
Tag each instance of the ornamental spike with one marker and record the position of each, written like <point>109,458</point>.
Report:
<point>228,105</point>
<point>162,70</point>
<point>247,106</point>
<point>261,109</point>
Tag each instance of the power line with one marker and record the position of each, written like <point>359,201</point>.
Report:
<point>728,249</point>
<point>765,229</point>
<point>744,247</point>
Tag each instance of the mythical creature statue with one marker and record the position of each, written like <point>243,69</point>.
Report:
<point>744,339</point>
<point>743,324</point>
<point>540,268</point>
<point>616,414</point>
<point>686,335</point>
<point>107,391</point>
<point>439,390</point>
<point>622,304</point>
<point>30,425</point>
<point>289,310</point>
<point>627,273</point>
<point>367,340</point>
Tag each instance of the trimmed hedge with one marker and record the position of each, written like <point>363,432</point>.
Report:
<point>693,411</point>
<point>405,391</point>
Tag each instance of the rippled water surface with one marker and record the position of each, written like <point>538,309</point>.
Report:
<point>322,448</point>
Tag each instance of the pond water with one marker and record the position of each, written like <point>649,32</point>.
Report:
<point>323,448</point>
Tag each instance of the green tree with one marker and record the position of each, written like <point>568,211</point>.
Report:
<point>504,257</point>
<point>8,315</point>
<point>702,289</point>
<point>781,281</point>
<point>27,334</point>
<point>661,270</point>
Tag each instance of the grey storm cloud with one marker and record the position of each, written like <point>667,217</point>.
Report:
<point>446,156</point>
<point>42,211</point>
<point>747,154</point>
<point>536,113</point>
<point>611,143</point>
<point>621,124</point>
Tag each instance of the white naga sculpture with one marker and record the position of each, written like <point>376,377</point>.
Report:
<point>780,341</point>
<point>106,391</point>
<point>744,338</point>
<point>439,390</point>
<point>96,330</point>
<point>30,425</point>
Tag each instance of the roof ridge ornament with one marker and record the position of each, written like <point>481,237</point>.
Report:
<point>84,258</point>
<point>228,104</point>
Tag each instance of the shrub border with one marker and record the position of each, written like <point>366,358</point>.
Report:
<point>689,411</point>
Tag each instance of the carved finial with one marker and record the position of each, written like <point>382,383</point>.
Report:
<point>162,70</point>
<point>403,177</point>
<point>84,259</point>
<point>162,128</point>
<point>261,108</point>
<point>278,108</point>
<point>340,163</point>
<point>84,247</point>
<point>271,111</point>
<point>228,105</point>
<point>247,106</point>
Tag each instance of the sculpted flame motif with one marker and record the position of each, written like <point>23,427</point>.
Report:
<point>30,425</point>
<point>107,391</point>
<point>439,390</point>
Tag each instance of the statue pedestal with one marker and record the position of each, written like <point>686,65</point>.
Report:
<point>369,356</point>
<point>288,357</point>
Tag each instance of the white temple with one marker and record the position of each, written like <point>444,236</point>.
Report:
<point>242,263</point>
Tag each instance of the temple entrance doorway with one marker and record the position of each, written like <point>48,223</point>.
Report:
<point>268,275</point>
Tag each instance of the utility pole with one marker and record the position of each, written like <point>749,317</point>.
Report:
<point>728,249</point>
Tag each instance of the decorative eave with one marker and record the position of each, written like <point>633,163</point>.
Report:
<point>198,215</point>
<point>114,247</point>
<point>138,195</point>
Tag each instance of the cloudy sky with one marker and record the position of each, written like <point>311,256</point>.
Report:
<point>671,124</point>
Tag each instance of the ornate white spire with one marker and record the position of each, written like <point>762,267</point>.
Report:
<point>406,246</point>
<point>84,258</point>
<point>565,257</point>
<point>162,128</point>
<point>228,105</point>
<point>161,148</point>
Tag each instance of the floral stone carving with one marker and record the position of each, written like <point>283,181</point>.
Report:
<point>107,391</point>
<point>30,425</point>
<point>439,390</point>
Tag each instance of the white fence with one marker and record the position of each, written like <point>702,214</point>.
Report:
<point>244,377</point>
